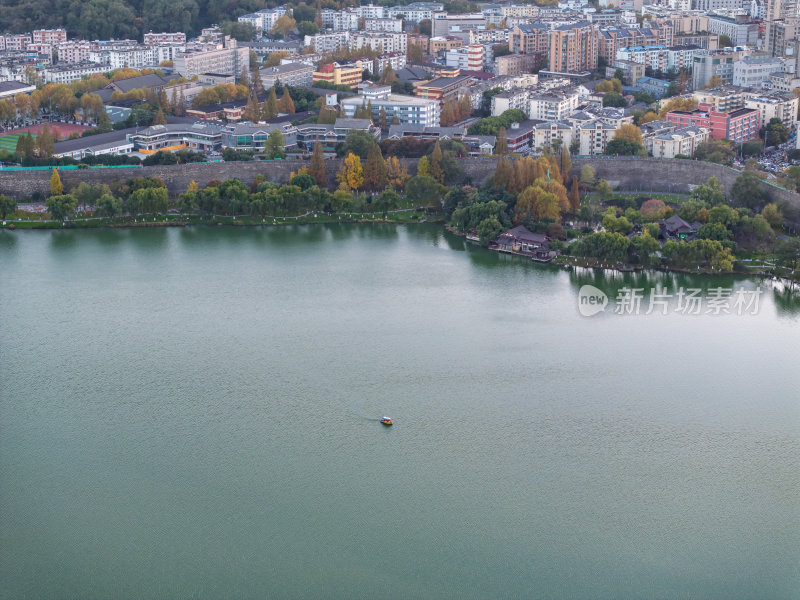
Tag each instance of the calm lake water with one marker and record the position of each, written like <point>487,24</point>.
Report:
<point>191,413</point>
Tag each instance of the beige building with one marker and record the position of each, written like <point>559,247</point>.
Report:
<point>680,142</point>
<point>227,59</point>
<point>545,134</point>
<point>594,137</point>
<point>573,48</point>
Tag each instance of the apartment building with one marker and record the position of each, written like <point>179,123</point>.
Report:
<point>151,39</point>
<point>612,39</point>
<point>443,88</point>
<point>447,24</point>
<point>466,58</point>
<point>514,99</point>
<point>391,25</point>
<point>396,59</point>
<point>741,30</point>
<point>553,105</point>
<point>529,39</point>
<point>18,41</point>
<point>48,36</point>
<point>135,56</point>
<point>738,126</point>
<point>382,42</point>
<point>723,99</point>
<point>296,74</point>
<point>229,60</point>
<point>76,51</point>
<point>779,105</point>
<point>517,64</point>
<point>409,110</point>
<point>415,12</point>
<point>573,48</point>
<point>708,64</point>
<point>324,43</point>
<point>755,71</point>
<point>340,74</point>
<point>489,36</point>
<point>679,142</point>
<point>443,44</point>
<point>594,137</point>
<point>340,20</point>
<point>70,73</point>
<point>263,20</point>
<point>545,134</point>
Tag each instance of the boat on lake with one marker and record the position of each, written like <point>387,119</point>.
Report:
<point>386,421</point>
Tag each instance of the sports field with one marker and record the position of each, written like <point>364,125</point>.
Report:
<point>61,131</point>
<point>9,142</point>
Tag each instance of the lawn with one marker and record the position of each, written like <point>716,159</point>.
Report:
<point>9,142</point>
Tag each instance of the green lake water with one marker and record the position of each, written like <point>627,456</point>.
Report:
<point>192,413</point>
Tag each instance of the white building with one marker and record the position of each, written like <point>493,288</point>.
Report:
<point>545,134</point>
<point>295,74</point>
<point>393,25</point>
<point>554,105</point>
<point>408,109</point>
<point>755,71</point>
<point>76,51</point>
<point>230,60</point>
<point>782,106</point>
<point>381,42</point>
<point>396,59</point>
<point>70,73</point>
<point>467,58</point>
<point>682,141</point>
<point>594,137</point>
<point>324,43</point>
<point>151,39</point>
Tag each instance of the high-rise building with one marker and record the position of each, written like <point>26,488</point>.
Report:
<point>573,48</point>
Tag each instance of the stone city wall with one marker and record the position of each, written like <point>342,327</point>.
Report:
<point>625,173</point>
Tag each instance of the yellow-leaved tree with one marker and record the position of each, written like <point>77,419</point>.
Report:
<point>56,187</point>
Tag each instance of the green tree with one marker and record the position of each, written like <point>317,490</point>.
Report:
<point>357,142</point>
<point>7,205</point>
<point>270,109</point>
<point>316,167</point>
<point>436,163</point>
<point>489,229</point>
<point>425,191</point>
<point>618,146</point>
<point>61,206</point>
<point>109,206</point>
<point>275,146</point>
<point>375,169</point>
<point>748,191</point>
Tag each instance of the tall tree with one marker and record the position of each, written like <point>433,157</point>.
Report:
<point>275,146</point>
<point>436,163</point>
<point>56,187</point>
<point>7,205</point>
<point>575,195</point>
<point>316,167</point>
<point>159,118</point>
<point>251,112</point>
<point>375,169</point>
<point>501,143</point>
<point>286,105</point>
<point>396,173</point>
<point>270,110</point>
<point>565,164</point>
<point>423,167</point>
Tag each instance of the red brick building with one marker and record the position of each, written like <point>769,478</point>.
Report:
<point>738,126</point>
